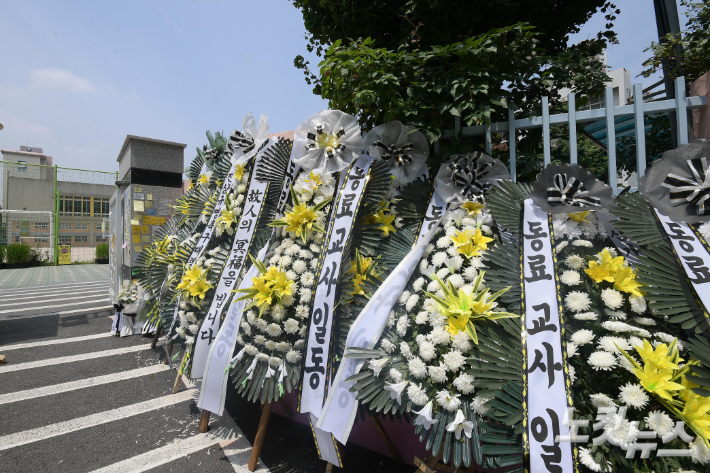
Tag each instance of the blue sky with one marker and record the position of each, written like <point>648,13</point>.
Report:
<point>77,76</point>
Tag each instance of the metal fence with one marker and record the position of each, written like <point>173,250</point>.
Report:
<point>638,110</point>
<point>47,206</point>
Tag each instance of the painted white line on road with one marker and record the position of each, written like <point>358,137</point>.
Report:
<point>87,310</point>
<point>51,288</point>
<point>96,296</point>
<point>62,428</point>
<point>93,301</point>
<point>81,384</point>
<point>54,342</point>
<point>8,368</point>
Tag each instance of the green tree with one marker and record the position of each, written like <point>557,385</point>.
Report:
<point>426,62</point>
<point>687,53</point>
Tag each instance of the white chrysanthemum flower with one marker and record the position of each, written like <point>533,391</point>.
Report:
<point>305,254</point>
<point>570,278</point>
<point>417,395</point>
<point>438,373</point>
<point>194,328</point>
<point>633,395</point>
<point>433,286</point>
<point>572,377</point>
<point>641,332</point>
<point>291,326</point>
<point>645,321</point>
<point>314,263</point>
<point>427,251</point>
<point>402,325</point>
<point>307,279</point>
<point>299,266</point>
<point>470,273</point>
<point>625,364</point>
<point>463,383</point>
<point>442,273</point>
<point>454,360</point>
<point>390,319</point>
<point>274,361</point>
<point>456,280</point>
<point>283,347</point>
<point>396,375</point>
<point>387,346</point>
<point>616,326</point>
<point>417,368</point>
<point>270,345</point>
<point>477,404</point>
<point>615,314</point>
<point>181,332</point>
<point>251,349</point>
<point>292,250</point>
<point>261,324</point>
<point>191,317</point>
<point>420,339</point>
<point>422,317</point>
<point>277,312</point>
<point>612,298</point>
<point>575,262</point>
<point>287,300</point>
<point>246,328</point>
<point>586,458</point>
<point>438,259</point>
<point>293,356</point>
<point>437,319</point>
<point>586,316</point>
<point>660,422</point>
<point>571,349</point>
<point>299,344</point>
<point>439,336</point>
<point>561,246</point>
<point>314,248</point>
<point>635,341</point>
<point>411,302</point>
<point>403,297</point>
<point>583,243</point>
<point>665,337</point>
<point>305,294</point>
<point>582,337</point>
<point>577,301</point>
<point>620,431</point>
<point>610,344</point>
<point>699,452</point>
<point>638,304</point>
<point>427,351</point>
<point>418,284</point>
<point>302,311</point>
<point>602,360</point>
<point>444,242</point>
<point>461,341</point>
<point>448,401</point>
<point>404,348</point>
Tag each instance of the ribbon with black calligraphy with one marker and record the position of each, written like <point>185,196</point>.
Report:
<point>692,191</point>
<point>215,375</point>
<point>692,255</point>
<point>238,255</point>
<point>567,190</point>
<point>338,414</point>
<point>545,369</point>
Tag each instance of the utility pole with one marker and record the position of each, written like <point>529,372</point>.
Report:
<point>667,21</point>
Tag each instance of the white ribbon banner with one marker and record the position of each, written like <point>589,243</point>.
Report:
<point>319,333</point>
<point>117,323</point>
<point>238,255</point>
<point>340,409</point>
<point>544,376</point>
<point>692,255</point>
<point>216,372</point>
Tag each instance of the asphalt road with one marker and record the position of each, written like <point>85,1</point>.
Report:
<point>75,399</point>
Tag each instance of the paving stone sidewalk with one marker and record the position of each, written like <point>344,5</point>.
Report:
<point>51,275</point>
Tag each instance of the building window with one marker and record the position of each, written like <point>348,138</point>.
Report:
<point>65,226</point>
<point>81,226</point>
<point>22,166</point>
<point>82,206</point>
<point>81,239</point>
<point>41,225</point>
<point>41,239</point>
<point>64,239</point>
<point>100,239</point>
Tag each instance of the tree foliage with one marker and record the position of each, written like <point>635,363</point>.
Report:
<point>687,54</point>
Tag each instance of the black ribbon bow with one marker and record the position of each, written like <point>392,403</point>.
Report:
<point>570,191</point>
<point>466,172</point>
<point>399,156</point>
<point>692,191</point>
<point>240,139</point>
<point>330,152</point>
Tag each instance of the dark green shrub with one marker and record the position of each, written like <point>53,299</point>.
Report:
<point>17,253</point>
<point>2,253</point>
<point>102,251</point>
<point>38,257</point>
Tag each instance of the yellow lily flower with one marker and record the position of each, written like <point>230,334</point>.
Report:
<point>204,179</point>
<point>462,237</point>
<point>697,411</point>
<point>313,181</point>
<point>300,219</point>
<point>625,281</point>
<point>600,272</point>
<point>657,381</point>
<point>481,240</point>
<point>385,220</point>
<point>579,216</point>
<point>239,172</point>
<point>473,208</point>
<point>658,357</point>
<point>268,288</point>
<point>199,288</point>
<point>362,270</point>
<point>616,263</point>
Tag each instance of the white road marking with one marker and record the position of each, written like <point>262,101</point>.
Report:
<point>87,310</point>
<point>81,384</point>
<point>54,342</point>
<point>97,300</point>
<point>52,288</point>
<point>7,368</point>
<point>97,296</point>
<point>62,428</point>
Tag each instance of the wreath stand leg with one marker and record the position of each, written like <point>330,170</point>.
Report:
<point>169,353</point>
<point>158,329</point>
<point>260,434</point>
<point>185,357</point>
<point>204,421</point>
<point>387,439</point>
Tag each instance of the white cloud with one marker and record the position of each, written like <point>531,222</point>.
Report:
<point>61,79</point>
<point>18,130</point>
